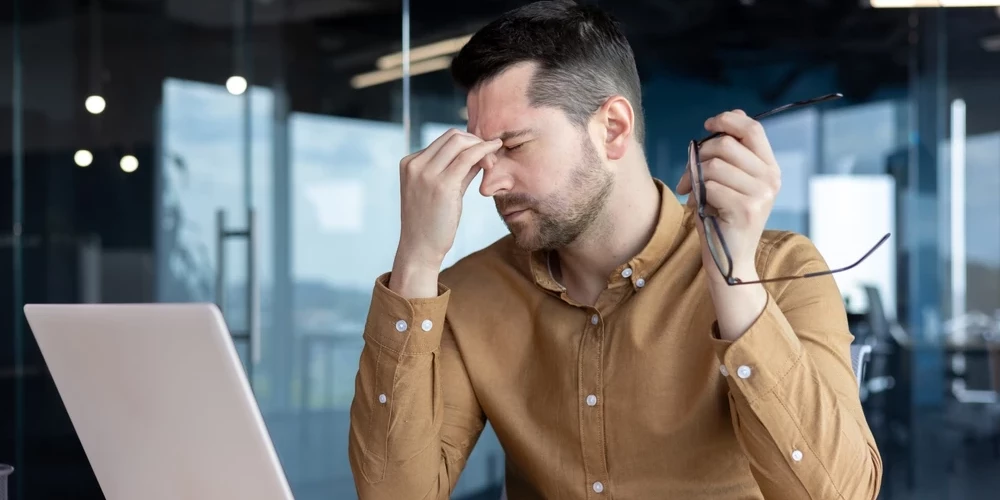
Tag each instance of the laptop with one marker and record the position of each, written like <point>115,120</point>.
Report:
<point>160,401</point>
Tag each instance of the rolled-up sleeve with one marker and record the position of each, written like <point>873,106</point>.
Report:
<point>793,395</point>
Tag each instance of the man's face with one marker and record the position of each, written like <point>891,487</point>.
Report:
<point>549,182</point>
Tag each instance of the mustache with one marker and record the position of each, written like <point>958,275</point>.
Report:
<point>518,201</point>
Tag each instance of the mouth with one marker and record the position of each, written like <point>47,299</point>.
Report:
<point>514,213</point>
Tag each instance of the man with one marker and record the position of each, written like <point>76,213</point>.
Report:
<point>600,338</point>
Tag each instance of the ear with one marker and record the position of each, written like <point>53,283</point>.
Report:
<point>618,121</point>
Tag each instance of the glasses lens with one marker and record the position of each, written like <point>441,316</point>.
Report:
<point>693,172</point>
<point>715,245</point>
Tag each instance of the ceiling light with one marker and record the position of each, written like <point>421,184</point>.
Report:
<point>387,75</point>
<point>83,158</point>
<point>442,48</point>
<point>236,85</point>
<point>907,4</point>
<point>95,104</point>
<point>129,164</point>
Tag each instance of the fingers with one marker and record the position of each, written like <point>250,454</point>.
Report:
<point>469,177</point>
<point>722,197</point>
<point>733,152</point>
<point>749,131</point>
<point>457,146</point>
<point>466,165</point>
<point>726,174</point>
<point>436,145</point>
<point>430,150</point>
<point>440,152</point>
<point>684,185</point>
<point>732,206</point>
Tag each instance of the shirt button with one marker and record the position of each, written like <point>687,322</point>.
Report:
<point>743,371</point>
<point>382,399</point>
<point>627,272</point>
<point>594,319</point>
<point>640,282</point>
<point>598,486</point>
<point>797,456</point>
<point>724,370</point>
<point>591,400</point>
<point>426,325</point>
<point>401,326</point>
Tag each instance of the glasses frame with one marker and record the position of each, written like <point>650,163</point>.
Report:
<point>710,223</point>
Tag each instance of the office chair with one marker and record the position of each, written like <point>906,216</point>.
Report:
<point>886,392</point>
<point>860,354</point>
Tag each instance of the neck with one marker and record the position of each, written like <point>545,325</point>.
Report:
<point>623,230</point>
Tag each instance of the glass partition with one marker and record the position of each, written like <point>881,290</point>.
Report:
<point>140,140</point>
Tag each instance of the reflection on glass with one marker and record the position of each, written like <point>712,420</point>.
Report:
<point>345,227</point>
<point>201,173</point>
<point>857,139</point>
<point>982,216</point>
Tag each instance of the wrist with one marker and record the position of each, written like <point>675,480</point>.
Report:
<point>737,307</point>
<point>413,278</point>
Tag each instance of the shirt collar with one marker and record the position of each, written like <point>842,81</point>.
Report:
<point>672,220</point>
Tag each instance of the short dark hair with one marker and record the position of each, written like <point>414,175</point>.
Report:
<point>582,55</point>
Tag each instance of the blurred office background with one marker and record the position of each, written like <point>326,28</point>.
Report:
<point>128,126</point>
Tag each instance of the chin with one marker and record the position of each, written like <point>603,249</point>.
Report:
<point>525,240</point>
<point>532,243</point>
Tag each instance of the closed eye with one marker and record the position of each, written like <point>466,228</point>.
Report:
<point>515,146</point>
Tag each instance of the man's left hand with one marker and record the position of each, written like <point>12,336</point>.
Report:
<point>742,179</point>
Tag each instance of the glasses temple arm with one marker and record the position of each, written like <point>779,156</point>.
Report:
<point>821,273</point>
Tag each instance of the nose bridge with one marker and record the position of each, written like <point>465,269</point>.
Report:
<point>496,177</point>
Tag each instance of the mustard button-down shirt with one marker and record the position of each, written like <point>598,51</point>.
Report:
<point>634,398</point>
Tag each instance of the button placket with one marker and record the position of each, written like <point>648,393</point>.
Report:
<point>591,397</point>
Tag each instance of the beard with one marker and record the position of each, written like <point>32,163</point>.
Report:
<point>557,222</point>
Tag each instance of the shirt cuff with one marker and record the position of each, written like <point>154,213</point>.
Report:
<point>758,361</point>
<point>405,326</point>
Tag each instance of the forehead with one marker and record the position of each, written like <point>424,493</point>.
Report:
<point>501,104</point>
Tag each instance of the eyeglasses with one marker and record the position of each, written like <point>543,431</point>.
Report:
<point>713,233</point>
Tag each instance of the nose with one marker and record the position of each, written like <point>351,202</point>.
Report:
<point>497,177</point>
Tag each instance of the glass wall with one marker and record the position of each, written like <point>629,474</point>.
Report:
<point>142,141</point>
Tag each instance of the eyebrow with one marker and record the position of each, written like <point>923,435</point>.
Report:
<point>513,134</point>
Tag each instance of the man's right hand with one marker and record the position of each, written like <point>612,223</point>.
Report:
<point>433,182</point>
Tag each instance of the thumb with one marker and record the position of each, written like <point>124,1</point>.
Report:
<point>684,185</point>
<point>469,177</point>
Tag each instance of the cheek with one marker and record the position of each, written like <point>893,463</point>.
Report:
<point>548,166</point>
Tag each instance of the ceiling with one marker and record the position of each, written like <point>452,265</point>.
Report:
<point>702,38</point>
<point>315,46</point>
